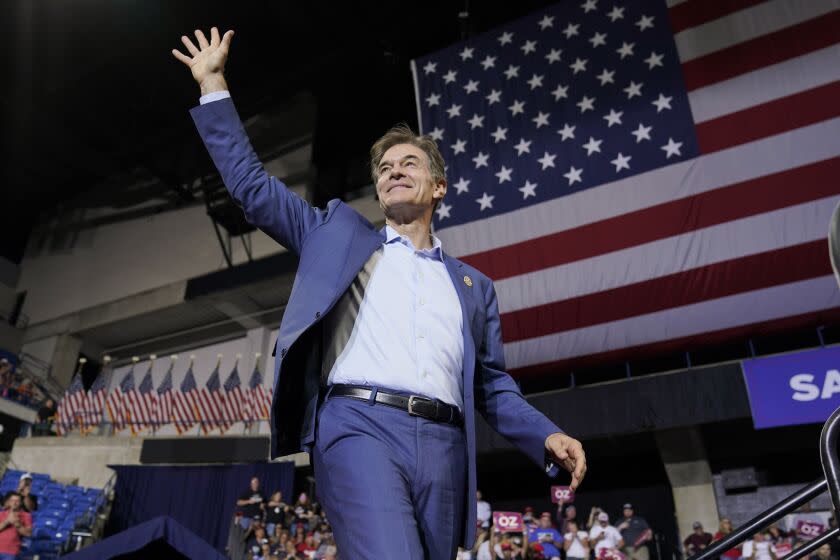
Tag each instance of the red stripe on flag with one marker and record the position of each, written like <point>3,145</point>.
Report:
<point>740,200</point>
<point>755,272</point>
<point>772,48</point>
<point>688,343</point>
<point>698,12</point>
<point>780,115</point>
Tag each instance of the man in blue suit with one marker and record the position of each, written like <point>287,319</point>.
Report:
<point>387,346</point>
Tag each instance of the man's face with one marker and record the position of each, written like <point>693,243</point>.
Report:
<point>571,512</point>
<point>405,179</point>
<point>255,484</point>
<point>545,522</point>
<point>628,513</point>
<point>14,503</point>
<point>699,529</point>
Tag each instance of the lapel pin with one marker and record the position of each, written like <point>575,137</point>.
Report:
<point>468,281</point>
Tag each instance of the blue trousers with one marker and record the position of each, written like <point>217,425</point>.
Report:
<point>392,485</point>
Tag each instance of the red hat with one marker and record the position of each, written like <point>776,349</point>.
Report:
<point>537,546</point>
<point>505,546</point>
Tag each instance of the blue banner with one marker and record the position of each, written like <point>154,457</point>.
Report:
<point>800,388</point>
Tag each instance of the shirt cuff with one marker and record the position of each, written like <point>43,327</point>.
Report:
<point>213,96</point>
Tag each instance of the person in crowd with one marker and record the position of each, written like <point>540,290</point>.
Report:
<point>291,551</point>
<point>549,537</point>
<point>529,520</point>
<point>46,416</point>
<point>759,548</point>
<point>15,522</point>
<point>698,540</point>
<point>565,514</point>
<point>308,547</point>
<point>575,541</point>
<point>605,536</point>
<point>483,510</point>
<point>510,551</point>
<point>275,512</point>
<point>636,533</point>
<point>724,529</point>
<point>7,375</point>
<point>304,511</point>
<point>254,537</point>
<point>251,503</point>
<point>592,521</point>
<point>30,500</point>
<point>823,553</point>
<point>481,548</point>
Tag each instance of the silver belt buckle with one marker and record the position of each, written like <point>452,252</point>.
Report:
<point>411,400</point>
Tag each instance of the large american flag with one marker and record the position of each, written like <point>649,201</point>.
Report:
<point>185,403</point>
<point>164,397</point>
<point>214,408</point>
<point>95,401</point>
<point>640,177</point>
<point>148,400</point>
<point>71,409</point>
<point>234,396</point>
<point>259,399</point>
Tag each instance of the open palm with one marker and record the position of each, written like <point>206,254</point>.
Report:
<point>209,57</point>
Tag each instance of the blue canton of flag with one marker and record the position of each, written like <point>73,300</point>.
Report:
<point>165,385</point>
<point>232,381</point>
<point>127,383</point>
<point>188,384</point>
<point>556,102</point>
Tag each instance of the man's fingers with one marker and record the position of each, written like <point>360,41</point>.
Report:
<point>182,57</point>
<point>202,40</point>
<point>190,47</point>
<point>226,39</point>
<point>214,37</point>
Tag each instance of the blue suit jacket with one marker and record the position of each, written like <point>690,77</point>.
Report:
<point>333,244</point>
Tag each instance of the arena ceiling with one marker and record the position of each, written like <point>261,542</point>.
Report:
<point>94,107</point>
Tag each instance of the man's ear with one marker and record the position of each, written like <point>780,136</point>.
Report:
<point>440,189</point>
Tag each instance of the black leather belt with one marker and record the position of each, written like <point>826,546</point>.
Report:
<point>431,409</point>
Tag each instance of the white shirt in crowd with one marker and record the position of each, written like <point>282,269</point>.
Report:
<point>762,550</point>
<point>483,552</point>
<point>611,537</point>
<point>483,513</point>
<point>576,549</point>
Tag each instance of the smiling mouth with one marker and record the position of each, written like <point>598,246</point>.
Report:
<point>398,187</point>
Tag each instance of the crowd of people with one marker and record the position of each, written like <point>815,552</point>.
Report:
<point>15,386</point>
<point>265,527</point>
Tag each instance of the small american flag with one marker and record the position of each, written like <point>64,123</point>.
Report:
<point>72,406</point>
<point>148,400</point>
<point>131,405</point>
<point>213,406</point>
<point>642,177</point>
<point>234,395</point>
<point>259,400</point>
<point>185,409</point>
<point>164,395</point>
<point>114,403</point>
<point>95,404</point>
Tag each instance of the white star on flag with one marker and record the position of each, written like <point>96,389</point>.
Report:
<point>589,5</point>
<point>485,201</point>
<point>642,133</point>
<point>467,53</point>
<point>494,97</point>
<point>512,72</point>
<point>480,160</point>
<point>523,147</point>
<point>573,176</point>
<point>654,60</point>
<point>437,134</point>
<point>488,62</point>
<point>443,210</point>
<point>471,87</point>
<point>598,39</point>
<point>430,67</point>
<point>546,22</point>
<point>462,185</point>
<point>547,161</point>
<point>672,148</point>
<point>454,111</point>
<point>535,81</point>
<point>614,117</point>
<point>529,47</point>
<point>662,103</point>
<point>633,90</point>
<point>606,76</point>
<point>621,162</point>
<point>505,37</point>
<point>459,147</point>
<point>586,104</point>
<point>477,121</point>
<point>579,65</point>
<point>567,132</point>
<point>450,76</point>
<point>503,174</point>
<point>571,30</point>
<point>553,56</point>
<point>616,14</point>
<point>560,92</point>
<point>541,119</point>
<point>433,99</point>
<point>499,134</point>
<point>528,189</point>
<point>625,50</point>
<point>592,146</point>
<point>517,107</point>
<point>645,22</point>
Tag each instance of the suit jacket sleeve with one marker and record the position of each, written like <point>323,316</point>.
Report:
<point>267,202</point>
<point>500,401</point>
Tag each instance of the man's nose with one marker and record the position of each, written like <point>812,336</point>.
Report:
<point>396,171</point>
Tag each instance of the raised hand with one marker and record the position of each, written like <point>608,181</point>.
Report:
<point>207,61</point>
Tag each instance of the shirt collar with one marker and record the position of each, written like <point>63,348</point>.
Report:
<point>436,252</point>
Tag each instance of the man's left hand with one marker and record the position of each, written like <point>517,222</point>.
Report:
<point>568,453</point>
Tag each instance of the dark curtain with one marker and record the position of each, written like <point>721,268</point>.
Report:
<point>202,498</point>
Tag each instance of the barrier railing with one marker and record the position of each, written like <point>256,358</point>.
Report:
<point>831,482</point>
